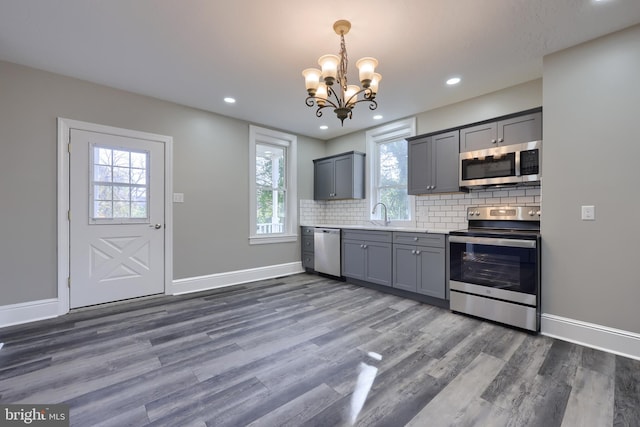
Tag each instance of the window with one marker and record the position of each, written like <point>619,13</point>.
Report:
<point>273,186</point>
<point>388,165</point>
<point>119,185</point>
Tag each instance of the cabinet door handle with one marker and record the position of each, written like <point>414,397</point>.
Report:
<point>364,246</point>
<point>418,252</point>
<point>415,239</point>
<point>413,252</point>
<point>500,140</point>
<point>493,141</point>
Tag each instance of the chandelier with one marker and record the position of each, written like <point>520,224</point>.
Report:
<point>320,83</point>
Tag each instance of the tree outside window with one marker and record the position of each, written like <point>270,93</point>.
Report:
<point>270,189</point>
<point>387,150</point>
<point>392,179</point>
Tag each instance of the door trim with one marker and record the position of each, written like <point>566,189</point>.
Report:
<point>63,177</point>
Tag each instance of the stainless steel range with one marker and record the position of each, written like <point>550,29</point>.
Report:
<point>495,265</point>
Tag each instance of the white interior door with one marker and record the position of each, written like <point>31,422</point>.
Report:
<point>116,217</point>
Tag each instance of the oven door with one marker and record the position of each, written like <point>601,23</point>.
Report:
<point>494,267</point>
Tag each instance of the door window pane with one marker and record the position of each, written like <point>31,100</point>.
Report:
<point>119,187</point>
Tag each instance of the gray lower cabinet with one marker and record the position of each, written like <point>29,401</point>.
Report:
<point>433,163</point>
<point>419,263</point>
<point>367,256</point>
<point>514,130</point>
<point>307,247</point>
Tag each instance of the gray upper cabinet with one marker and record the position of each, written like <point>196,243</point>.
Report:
<point>514,130</point>
<point>433,163</point>
<point>339,177</point>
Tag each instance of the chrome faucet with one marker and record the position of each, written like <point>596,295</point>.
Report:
<point>373,212</point>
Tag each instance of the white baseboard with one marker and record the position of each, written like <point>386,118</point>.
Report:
<point>616,341</point>
<point>25,312</point>
<point>220,280</point>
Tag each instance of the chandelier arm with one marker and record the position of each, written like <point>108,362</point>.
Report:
<point>339,102</point>
<point>369,96</point>
<point>372,103</point>
<point>310,102</point>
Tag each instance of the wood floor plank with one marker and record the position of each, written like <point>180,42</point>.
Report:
<point>301,408</point>
<point>289,350</point>
<point>129,394</point>
<point>591,400</point>
<point>451,403</point>
<point>627,392</point>
<point>544,405</point>
<point>215,404</point>
<point>513,384</point>
<point>562,361</point>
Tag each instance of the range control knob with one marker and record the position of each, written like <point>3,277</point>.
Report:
<point>532,213</point>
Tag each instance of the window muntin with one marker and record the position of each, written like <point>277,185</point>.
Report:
<point>270,189</point>
<point>119,186</point>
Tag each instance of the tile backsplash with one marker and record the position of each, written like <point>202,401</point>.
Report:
<point>433,212</point>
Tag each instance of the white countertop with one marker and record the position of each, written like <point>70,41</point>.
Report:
<point>380,228</point>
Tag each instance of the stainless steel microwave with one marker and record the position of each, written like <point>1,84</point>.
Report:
<point>503,165</point>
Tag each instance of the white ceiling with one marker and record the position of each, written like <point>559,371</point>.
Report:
<point>196,52</point>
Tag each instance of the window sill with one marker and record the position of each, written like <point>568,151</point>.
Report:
<point>281,238</point>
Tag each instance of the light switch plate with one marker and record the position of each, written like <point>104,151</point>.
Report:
<point>178,197</point>
<point>588,213</point>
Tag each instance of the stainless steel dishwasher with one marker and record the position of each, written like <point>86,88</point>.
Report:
<point>326,248</point>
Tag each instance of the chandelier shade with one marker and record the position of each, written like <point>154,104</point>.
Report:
<point>327,87</point>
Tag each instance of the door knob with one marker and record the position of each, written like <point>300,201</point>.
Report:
<point>157,226</point>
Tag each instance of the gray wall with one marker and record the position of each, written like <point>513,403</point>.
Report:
<point>506,101</point>
<point>591,112</point>
<point>211,168</point>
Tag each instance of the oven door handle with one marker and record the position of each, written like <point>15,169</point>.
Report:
<point>494,241</point>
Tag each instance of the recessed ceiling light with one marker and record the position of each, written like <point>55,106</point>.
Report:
<point>377,117</point>
<point>324,127</point>
<point>453,81</point>
<point>229,100</point>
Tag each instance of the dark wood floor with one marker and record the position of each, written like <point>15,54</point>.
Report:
<point>291,352</point>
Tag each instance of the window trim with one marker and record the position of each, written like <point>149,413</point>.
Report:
<point>400,129</point>
<point>259,135</point>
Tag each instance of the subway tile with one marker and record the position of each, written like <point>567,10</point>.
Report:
<point>524,200</point>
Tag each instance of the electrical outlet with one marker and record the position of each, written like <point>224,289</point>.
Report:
<point>588,213</point>
<point>178,197</point>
